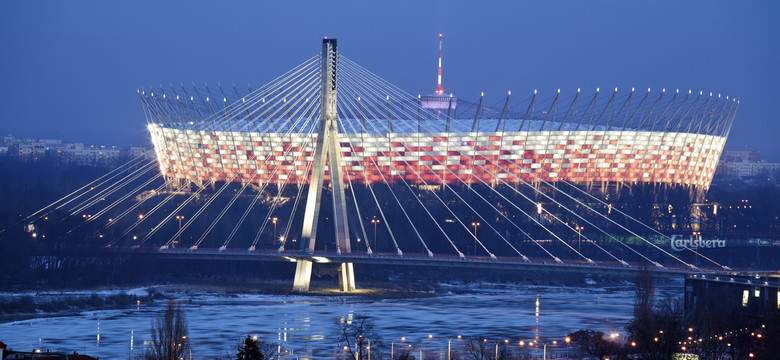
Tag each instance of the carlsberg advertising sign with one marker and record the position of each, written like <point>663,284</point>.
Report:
<point>678,243</point>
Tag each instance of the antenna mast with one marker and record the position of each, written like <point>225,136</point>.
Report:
<point>439,90</point>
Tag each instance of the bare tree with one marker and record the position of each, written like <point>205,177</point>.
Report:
<point>169,335</point>
<point>269,351</point>
<point>357,335</point>
<point>592,344</point>
<point>658,326</point>
<point>477,349</point>
<point>405,355</point>
<point>643,327</point>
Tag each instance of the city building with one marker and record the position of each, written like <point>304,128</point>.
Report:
<point>744,164</point>
<point>32,149</point>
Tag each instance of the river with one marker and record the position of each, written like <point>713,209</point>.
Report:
<point>304,326</point>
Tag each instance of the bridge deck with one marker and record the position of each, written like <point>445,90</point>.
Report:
<point>485,262</point>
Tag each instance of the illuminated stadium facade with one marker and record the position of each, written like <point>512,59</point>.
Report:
<point>269,135</point>
<point>575,156</point>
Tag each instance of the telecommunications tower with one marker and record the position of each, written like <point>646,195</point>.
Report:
<point>438,100</point>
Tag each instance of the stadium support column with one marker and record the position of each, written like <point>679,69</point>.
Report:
<point>327,148</point>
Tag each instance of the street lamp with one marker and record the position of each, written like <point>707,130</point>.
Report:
<point>392,344</point>
<point>418,348</point>
<point>180,218</point>
<point>375,221</point>
<point>579,236</point>
<point>544,345</point>
<point>475,224</point>
<point>449,348</point>
<point>274,220</point>
<point>505,342</point>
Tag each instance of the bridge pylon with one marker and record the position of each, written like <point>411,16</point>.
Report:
<point>327,148</point>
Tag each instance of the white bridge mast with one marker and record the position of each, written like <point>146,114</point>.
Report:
<point>327,148</point>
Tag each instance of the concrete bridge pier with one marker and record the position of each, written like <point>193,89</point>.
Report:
<point>303,268</point>
<point>347,277</point>
<point>302,275</point>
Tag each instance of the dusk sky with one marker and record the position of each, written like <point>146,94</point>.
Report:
<point>71,68</point>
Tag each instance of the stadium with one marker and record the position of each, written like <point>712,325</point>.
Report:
<point>268,135</point>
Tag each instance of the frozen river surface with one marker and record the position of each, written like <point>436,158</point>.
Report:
<point>305,325</point>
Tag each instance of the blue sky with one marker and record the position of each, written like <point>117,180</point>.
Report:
<point>71,69</point>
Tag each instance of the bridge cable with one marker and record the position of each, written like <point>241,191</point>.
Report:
<point>108,191</point>
<point>90,218</point>
<point>284,184</point>
<point>311,88</point>
<point>564,223</point>
<point>430,254</point>
<point>464,224</point>
<point>473,210</point>
<point>115,220</point>
<point>559,204</point>
<point>122,168</point>
<point>373,194</point>
<point>260,192</point>
<point>561,222</point>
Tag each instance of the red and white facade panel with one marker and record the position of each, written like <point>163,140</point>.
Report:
<point>574,156</point>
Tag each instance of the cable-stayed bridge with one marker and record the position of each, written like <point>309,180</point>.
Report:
<point>331,151</point>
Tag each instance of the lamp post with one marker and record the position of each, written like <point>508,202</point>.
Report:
<point>579,237</point>
<point>449,347</point>
<point>475,225</point>
<point>544,345</point>
<point>274,220</point>
<point>180,218</point>
<point>418,348</point>
<point>375,221</point>
<point>392,344</point>
<point>505,342</point>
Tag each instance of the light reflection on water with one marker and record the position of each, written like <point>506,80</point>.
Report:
<point>305,326</point>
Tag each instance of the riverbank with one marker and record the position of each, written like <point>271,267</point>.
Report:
<point>26,305</point>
